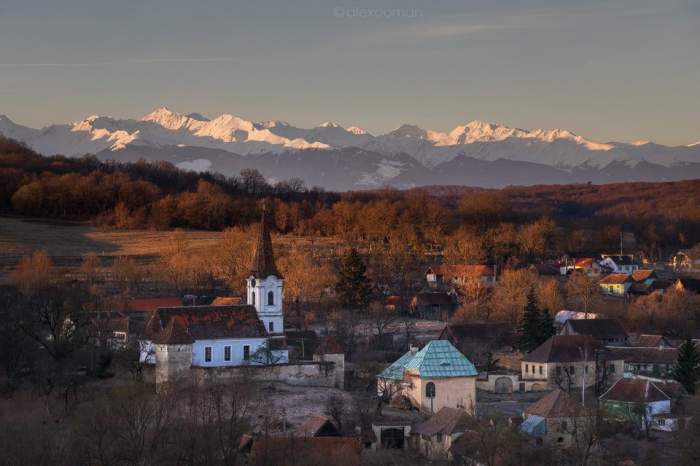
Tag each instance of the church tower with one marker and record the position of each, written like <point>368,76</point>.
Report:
<point>265,284</point>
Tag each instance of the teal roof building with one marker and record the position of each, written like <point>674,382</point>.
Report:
<point>438,358</point>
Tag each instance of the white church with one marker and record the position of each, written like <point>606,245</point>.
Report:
<point>178,338</point>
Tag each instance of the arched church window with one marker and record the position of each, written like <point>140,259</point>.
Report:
<point>252,298</point>
<point>270,298</point>
<point>430,390</point>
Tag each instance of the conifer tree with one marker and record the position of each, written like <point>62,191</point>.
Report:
<point>546,326</point>
<point>530,329</point>
<point>353,286</point>
<point>687,368</point>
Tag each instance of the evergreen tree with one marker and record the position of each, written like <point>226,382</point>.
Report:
<point>353,286</point>
<point>687,368</point>
<point>546,326</point>
<point>530,329</point>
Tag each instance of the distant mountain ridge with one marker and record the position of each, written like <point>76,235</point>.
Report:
<point>476,153</point>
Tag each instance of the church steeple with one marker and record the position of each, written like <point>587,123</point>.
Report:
<point>263,260</point>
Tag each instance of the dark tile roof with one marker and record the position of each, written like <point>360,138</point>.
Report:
<point>210,322</point>
<point>640,355</point>
<point>315,425</point>
<point>689,284</point>
<point>500,333</point>
<point>558,403</point>
<point>264,261</point>
<point>549,270</point>
<point>565,348</point>
<point>174,333</point>
<point>447,421</point>
<point>650,341</point>
<point>598,328</point>
<point>433,299</point>
<point>634,391</point>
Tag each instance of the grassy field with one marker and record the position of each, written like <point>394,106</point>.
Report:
<point>68,242</point>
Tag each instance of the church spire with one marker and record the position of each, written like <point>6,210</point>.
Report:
<point>264,261</point>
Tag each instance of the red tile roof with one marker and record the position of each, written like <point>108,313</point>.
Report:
<point>616,279</point>
<point>634,391</point>
<point>227,301</point>
<point>313,425</point>
<point>210,322</point>
<point>641,275</point>
<point>556,404</point>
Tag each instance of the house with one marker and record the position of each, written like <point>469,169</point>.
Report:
<point>437,376</point>
<point>556,419</point>
<point>650,341</point>
<point>434,305</point>
<point>150,305</point>
<point>587,265</point>
<point>434,438</point>
<point>565,361</point>
<point>317,426</point>
<point>460,275</point>
<point>654,362</point>
<point>478,341</point>
<point>116,329</point>
<point>643,402</point>
<point>616,284</point>
<point>606,331</point>
<point>278,450</point>
<point>619,263</point>
<point>329,350</point>
<point>687,285</point>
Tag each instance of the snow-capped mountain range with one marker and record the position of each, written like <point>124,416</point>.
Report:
<point>329,155</point>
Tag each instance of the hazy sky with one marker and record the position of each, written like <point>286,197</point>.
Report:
<point>606,69</point>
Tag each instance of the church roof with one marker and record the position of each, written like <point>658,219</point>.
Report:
<point>438,358</point>
<point>207,322</point>
<point>264,261</point>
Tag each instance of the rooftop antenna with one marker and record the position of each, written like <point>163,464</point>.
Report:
<point>621,243</point>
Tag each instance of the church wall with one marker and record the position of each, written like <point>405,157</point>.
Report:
<point>452,392</point>
<point>312,374</point>
<point>198,351</point>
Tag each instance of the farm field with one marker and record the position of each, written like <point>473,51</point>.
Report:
<point>67,242</point>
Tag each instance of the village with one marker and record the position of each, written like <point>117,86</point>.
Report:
<point>415,378</point>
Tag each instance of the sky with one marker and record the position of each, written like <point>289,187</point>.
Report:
<point>610,70</point>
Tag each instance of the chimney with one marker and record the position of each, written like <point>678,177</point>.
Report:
<point>414,349</point>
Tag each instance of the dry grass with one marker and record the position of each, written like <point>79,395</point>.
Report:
<point>68,242</point>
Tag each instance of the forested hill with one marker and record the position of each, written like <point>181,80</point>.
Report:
<point>159,196</point>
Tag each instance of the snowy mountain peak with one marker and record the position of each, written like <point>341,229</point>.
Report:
<point>329,124</point>
<point>168,119</point>
<point>357,130</point>
<point>197,116</point>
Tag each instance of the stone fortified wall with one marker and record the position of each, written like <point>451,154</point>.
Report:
<point>310,374</point>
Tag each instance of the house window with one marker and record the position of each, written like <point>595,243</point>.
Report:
<point>585,369</point>
<point>563,426</point>
<point>611,368</point>
<point>270,298</point>
<point>527,368</point>
<point>207,354</point>
<point>540,370</point>
<point>246,353</point>
<point>558,370</point>
<point>572,370</point>
<point>439,437</point>
<point>430,390</point>
<point>271,326</point>
<point>227,353</point>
